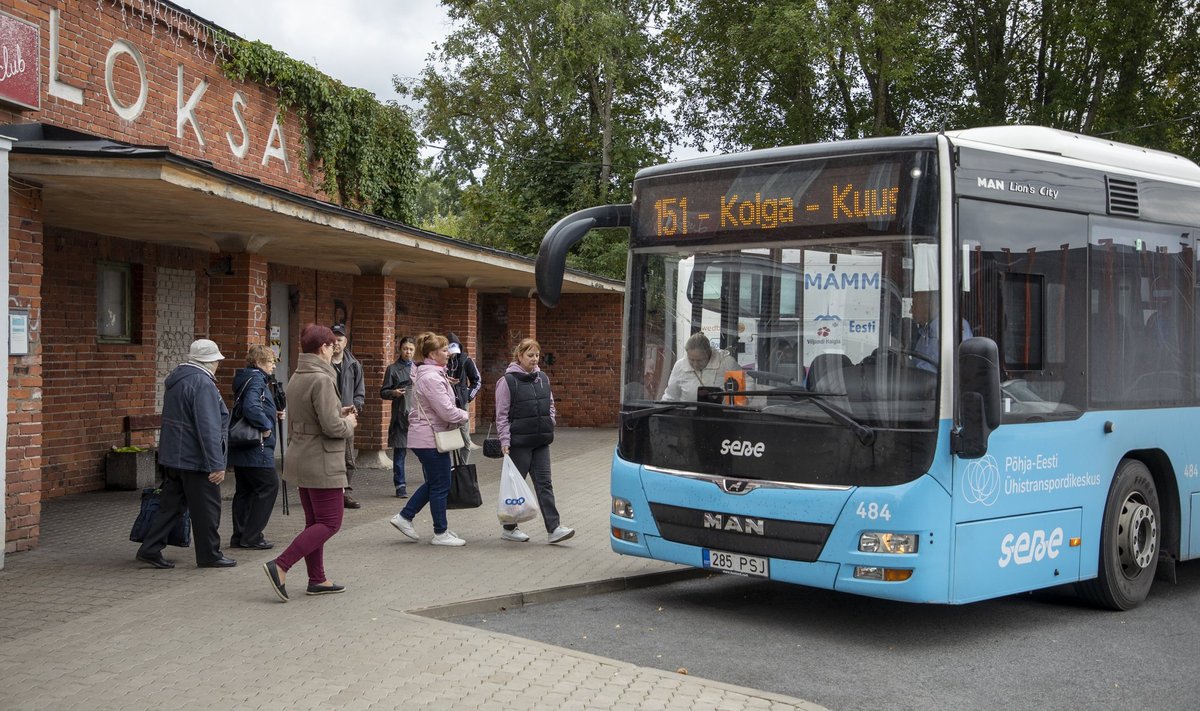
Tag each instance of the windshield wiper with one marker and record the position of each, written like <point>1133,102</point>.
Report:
<point>668,405</point>
<point>865,434</point>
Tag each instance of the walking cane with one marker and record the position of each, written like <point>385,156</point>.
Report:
<point>280,405</point>
<point>282,447</point>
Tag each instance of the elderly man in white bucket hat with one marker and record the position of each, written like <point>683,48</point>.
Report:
<point>191,451</point>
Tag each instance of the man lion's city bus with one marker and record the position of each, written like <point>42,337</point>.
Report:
<point>966,364</point>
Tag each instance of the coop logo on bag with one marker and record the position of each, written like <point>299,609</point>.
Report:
<point>514,502</point>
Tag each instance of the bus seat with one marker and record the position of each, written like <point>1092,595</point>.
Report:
<point>824,366</point>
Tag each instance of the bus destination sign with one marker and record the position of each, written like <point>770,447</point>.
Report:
<point>811,193</point>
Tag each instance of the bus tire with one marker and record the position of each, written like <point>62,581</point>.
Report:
<point>1130,539</point>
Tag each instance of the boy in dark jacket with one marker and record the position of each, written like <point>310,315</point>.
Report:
<point>466,382</point>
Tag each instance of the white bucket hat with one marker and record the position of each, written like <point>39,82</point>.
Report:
<point>204,351</point>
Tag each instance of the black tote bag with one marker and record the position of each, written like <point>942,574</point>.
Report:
<point>464,488</point>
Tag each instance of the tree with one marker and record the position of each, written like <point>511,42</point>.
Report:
<point>755,74</point>
<point>1125,68</point>
<point>544,107</point>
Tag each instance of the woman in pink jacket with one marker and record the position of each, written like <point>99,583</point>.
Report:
<point>434,410</point>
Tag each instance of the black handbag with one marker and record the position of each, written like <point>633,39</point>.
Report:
<point>464,488</point>
<point>491,446</point>
<point>242,434</point>
<point>180,535</point>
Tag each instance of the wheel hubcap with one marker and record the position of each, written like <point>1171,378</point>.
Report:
<point>1138,539</point>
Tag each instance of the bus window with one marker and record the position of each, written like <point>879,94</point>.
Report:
<point>1026,285</point>
<point>1024,335</point>
<point>1142,312</point>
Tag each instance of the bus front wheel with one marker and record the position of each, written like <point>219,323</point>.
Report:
<point>1129,540</point>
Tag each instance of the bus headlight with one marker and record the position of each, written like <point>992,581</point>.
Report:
<point>622,508</point>
<point>880,542</point>
<point>887,575</point>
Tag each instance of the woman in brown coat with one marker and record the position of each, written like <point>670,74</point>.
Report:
<point>316,461</point>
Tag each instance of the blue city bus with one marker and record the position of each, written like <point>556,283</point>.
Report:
<point>795,406</point>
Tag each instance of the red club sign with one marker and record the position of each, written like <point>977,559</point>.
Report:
<point>20,63</point>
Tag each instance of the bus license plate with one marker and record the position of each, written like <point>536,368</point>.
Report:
<point>736,563</point>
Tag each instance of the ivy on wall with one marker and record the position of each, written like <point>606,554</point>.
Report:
<point>366,150</point>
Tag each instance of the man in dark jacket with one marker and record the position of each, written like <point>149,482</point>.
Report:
<point>352,390</point>
<point>191,450</point>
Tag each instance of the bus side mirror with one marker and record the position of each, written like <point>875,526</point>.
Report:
<point>979,396</point>
<point>552,254</point>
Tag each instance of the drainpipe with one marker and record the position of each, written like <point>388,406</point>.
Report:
<point>5,147</point>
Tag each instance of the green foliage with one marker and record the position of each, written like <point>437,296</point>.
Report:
<point>366,150</point>
<point>1125,67</point>
<point>544,107</point>
<point>757,74</point>
<point>548,106</point>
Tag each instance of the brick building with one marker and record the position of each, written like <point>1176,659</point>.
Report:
<point>153,201</point>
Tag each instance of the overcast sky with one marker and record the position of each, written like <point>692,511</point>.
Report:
<point>360,42</point>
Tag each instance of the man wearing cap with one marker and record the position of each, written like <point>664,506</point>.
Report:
<point>353,392</point>
<point>191,450</point>
<point>465,380</point>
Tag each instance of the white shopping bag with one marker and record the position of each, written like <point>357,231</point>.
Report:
<point>517,503</point>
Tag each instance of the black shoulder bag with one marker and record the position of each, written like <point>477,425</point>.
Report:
<point>242,434</point>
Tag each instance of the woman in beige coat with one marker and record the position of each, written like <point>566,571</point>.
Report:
<point>316,462</point>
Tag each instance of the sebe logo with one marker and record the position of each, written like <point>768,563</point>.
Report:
<point>514,502</point>
<point>742,448</point>
<point>1029,547</point>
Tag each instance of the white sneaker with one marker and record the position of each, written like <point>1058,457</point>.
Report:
<point>472,446</point>
<point>405,526</point>
<point>447,538</point>
<point>516,535</point>
<point>561,534</point>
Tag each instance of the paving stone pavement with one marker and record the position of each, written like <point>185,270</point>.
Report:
<point>84,625</point>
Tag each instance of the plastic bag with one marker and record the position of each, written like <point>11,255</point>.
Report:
<point>517,503</point>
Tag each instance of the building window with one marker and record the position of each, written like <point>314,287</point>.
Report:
<point>113,295</point>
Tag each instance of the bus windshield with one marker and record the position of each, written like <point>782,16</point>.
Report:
<point>814,328</point>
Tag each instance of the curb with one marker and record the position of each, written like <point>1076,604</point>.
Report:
<point>511,601</point>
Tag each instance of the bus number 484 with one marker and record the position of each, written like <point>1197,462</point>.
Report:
<point>873,511</point>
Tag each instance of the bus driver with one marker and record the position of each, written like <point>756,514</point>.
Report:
<point>700,366</point>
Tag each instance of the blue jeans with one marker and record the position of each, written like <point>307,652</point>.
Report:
<point>435,466</point>
<point>398,467</point>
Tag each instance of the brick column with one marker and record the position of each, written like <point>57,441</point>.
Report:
<point>23,464</point>
<point>460,314</point>
<point>522,319</point>
<point>373,342</point>
<point>237,311</point>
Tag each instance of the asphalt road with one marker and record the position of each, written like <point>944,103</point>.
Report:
<point>1037,651</point>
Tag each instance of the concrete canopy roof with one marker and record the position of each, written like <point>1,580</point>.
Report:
<point>149,194</point>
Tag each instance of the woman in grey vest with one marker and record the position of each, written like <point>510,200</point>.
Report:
<point>525,418</point>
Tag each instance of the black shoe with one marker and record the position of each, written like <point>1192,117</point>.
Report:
<point>349,502</point>
<point>262,545</point>
<point>221,562</point>
<point>157,561</point>
<point>325,589</point>
<point>273,576</point>
<point>402,493</point>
